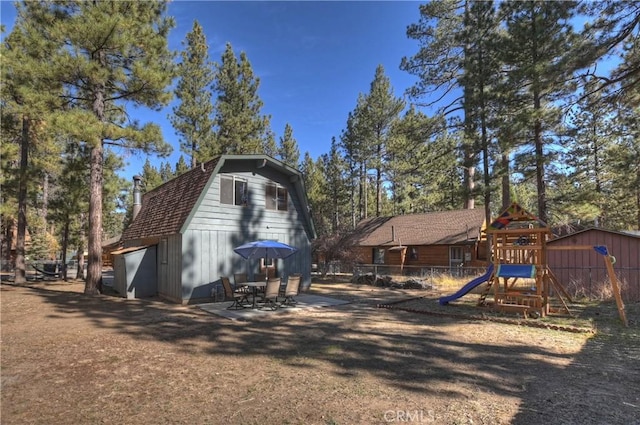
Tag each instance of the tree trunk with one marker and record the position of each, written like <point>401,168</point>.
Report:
<point>506,182</point>
<point>45,199</point>
<point>65,244</point>
<point>537,128</point>
<point>20,265</point>
<point>93,284</point>
<point>638,197</point>
<point>80,250</point>
<point>469,182</point>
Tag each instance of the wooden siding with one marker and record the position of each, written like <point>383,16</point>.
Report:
<point>586,268</point>
<point>208,255</point>
<point>215,229</point>
<point>428,256</point>
<point>254,217</point>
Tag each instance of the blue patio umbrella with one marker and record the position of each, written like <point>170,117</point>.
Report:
<point>265,249</point>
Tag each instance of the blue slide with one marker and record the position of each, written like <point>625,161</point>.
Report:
<point>468,287</point>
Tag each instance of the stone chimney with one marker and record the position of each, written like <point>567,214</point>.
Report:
<point>137,196</point>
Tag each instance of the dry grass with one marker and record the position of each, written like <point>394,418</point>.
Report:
<point>68,358</point>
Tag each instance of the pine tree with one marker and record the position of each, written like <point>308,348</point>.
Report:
<point>71,197</point>
<point>458,40</point>
<point>381,110</point>
<point>27,100</point>
<point>240,127</point>
<point>192,118</point>
<point>540,40</point>
<point>270,147</point>
<point>612,30</point>
<point>151,177</point>
<point>110,55</point>
<point>314,182</point>
<point>181,166</point>
<point>335,169</point>
<point>357,155</point>
<point>288,150</point>
<point>166,173</point>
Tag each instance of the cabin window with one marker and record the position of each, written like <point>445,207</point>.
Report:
<point>233,191</point>
<point>455,256</point>
<point>413,253</point>
<point>378,255</point>
<point>276,198</point>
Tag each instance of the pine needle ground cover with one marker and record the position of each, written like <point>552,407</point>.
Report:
<point>69,358</point>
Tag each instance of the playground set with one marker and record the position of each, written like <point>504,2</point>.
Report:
<point>519,279</point>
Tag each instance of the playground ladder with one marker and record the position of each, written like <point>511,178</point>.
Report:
<point>486,291</point>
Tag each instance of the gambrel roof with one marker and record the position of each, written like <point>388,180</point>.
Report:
<point>166,210</point>
<point>435,228</point>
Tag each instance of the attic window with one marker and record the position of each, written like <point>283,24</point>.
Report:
<point>276,198</point>
<point>233,191</point>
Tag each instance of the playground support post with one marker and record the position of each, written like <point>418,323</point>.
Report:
<point>616,289</point>
<point>602,250</point>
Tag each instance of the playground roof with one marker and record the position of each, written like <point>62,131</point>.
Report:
<point>514,213</point>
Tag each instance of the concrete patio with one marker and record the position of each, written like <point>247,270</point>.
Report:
<point>304,302</point>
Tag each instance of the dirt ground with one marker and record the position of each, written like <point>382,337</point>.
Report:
<point>72,359</point>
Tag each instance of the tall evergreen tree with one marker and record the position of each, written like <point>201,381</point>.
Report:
<point>336,175</point>
<point>27,100</point>
<point>288,150</point>
<point>456,65</point>
<point>240,126</point>
<point>537,53</point>
<point>357,156</point>
<point>314,182</point>
<point>151,176</point>
<point>622,159</point>
<point>192,118</point>
<point>270,147</point>
<point>381,110</point>
<point>71,197</point>
<point>613,30</point>
<point>181,166</point>
<point>110,54</point>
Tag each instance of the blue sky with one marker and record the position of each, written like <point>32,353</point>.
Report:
<point>312,58</point>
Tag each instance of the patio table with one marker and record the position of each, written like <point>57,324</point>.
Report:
<point>254,286</point>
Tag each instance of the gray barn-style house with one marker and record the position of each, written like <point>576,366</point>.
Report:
<point>183,234</point>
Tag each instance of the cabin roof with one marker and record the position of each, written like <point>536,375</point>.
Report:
<point>434,228</point>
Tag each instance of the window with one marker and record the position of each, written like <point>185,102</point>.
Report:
<point>413,253</point>
<point>378,255</point>
<point>455,256</point>
<point>233,191</point>
<point>276,198</point>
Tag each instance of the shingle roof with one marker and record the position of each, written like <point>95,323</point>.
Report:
<point>165,208</point>
<point>437,228</point>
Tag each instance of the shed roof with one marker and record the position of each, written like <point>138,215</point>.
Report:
<point>631,235</point>
<point>435,228</point>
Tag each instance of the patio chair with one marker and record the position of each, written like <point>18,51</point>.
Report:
<point>291,290</point>
<point>238,280</point>
<point>270,296</point>
<point>236,296</point>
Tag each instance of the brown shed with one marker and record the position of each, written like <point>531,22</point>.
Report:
<point>583,271</point>
<point>445,238</point>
